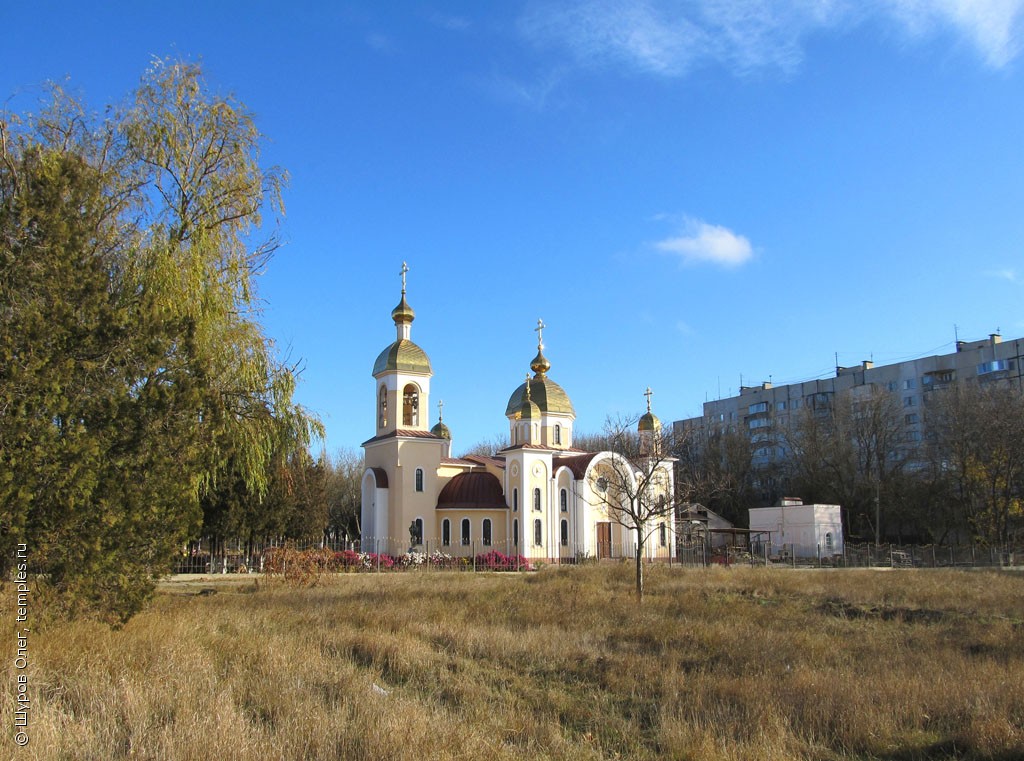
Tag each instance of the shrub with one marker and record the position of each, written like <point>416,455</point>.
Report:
<point>498,561</point>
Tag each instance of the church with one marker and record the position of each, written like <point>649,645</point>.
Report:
<point>537,497</point>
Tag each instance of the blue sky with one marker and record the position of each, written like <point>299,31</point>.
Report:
<point>688,193</point>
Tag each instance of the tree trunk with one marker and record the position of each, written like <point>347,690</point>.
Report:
<point>639,572</point>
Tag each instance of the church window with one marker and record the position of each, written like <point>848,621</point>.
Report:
<point>538,533</point>
<point>563,500</point>
<point>536,499</point>
<point>382,420</point>
<point>828,541</point>
<point>515,500</point>
<point>419,479</point>
<point>465,530</point>
<point>558,433</point>
<point>565,533</point>
<point>417,534</point>
<point>411,406</point>
<point>662,534</point>
<point>515,532</point>
<point>486,533</point>
<point>446,532</point>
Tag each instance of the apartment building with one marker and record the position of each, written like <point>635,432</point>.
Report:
<point>764,411</point>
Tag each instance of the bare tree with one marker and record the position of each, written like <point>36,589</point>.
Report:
<point>980,446</point>
<point>343,493</point>
<point>849,452</point>
<point>633,485</point>
<point>715,468</point>
<point>487,447</point>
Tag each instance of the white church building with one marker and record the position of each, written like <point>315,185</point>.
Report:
<point>538,497</point>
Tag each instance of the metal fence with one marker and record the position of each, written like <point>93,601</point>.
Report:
<point>223,557</point>
<point>867,555</point>
<point>235,556</point>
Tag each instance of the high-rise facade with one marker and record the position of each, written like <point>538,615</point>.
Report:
<point>765,412</point>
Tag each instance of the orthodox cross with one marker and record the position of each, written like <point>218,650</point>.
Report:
<point>440,410</point>
<point>405,268</point>
<point>648,393</point>
<point>539,330</point>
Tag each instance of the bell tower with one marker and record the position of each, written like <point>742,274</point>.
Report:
<point>400,483</point>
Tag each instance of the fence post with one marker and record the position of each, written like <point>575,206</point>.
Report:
<point>376,547</point>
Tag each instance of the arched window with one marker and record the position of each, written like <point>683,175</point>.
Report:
<point>515,532</point>
<point>411,406</point>
<point>662,534</point>
<point>565,533</point>
<point>446,532</point>
<point>486,533</point>
<point>828,540</point>
<point>538,533</point>
<point>465,530</point>
<point>558,433</point>
<point>515,500</point>
<point>419,479</point>
<point>563,500</point>
<point>382,413</point>
<point>536,499</point>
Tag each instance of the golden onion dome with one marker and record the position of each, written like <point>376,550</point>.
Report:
<point>649,422</point>
<point>403,355</point>
<point>540,364</point>
<point>403,312</point>
<point>441,431</point>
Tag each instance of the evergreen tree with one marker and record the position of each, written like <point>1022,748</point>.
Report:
<point>134,374</point>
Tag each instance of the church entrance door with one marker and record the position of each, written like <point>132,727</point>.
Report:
<point>604,540</point>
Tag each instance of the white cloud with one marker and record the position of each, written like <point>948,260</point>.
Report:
<point>993,27</point>
<point>701,242</point>
<point>671,37</point>
<point>1006,274</point>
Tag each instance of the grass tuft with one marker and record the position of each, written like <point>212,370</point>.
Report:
<point>562,664</point>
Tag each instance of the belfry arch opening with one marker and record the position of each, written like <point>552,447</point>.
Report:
<point>411,405</point>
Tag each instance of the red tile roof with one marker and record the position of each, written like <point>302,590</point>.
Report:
<point>472,491</point>
<point>381,476</point>
<point>403,433</point>
<point>576,463</point>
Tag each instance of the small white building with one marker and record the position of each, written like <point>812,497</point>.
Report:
<point>798,530</point>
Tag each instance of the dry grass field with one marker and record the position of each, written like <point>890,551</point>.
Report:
<point>717,664</point>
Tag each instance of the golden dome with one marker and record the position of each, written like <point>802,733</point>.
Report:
<point>403,355</point>
<point>403,312</point>
<point>545,394</point>
<point>529,410</point>
<point>540,364</point>
<point>441,431</point>
<point>649,422</point>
